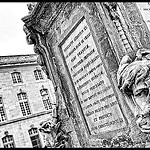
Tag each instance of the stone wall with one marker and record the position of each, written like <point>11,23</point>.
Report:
<point>17,124</point>
<point>19,130</point>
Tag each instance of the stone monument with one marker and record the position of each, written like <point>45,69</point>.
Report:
<point>80,47</point>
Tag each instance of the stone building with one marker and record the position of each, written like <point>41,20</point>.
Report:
<point>26,100</point>
<point>80,46</point>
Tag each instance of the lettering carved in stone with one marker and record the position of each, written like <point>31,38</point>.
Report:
<point>90,81</point>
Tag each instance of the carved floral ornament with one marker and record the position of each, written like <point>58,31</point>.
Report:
<point>134,81</point>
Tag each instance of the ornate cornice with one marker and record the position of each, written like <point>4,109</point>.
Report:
<point>113,11</point>
<point>42,16</point>
<point>30,18</point>
<point>18,59</point>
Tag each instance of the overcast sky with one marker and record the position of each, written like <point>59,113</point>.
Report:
<point>12,36</point>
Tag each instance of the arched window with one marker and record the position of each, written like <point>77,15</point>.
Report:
<point>16,77</point>
<point>23,102</point>
<point>34,136</point>
<point>2,112</point>
<point>38,74</point>
<point>46,99</point>
<point>8,140</point>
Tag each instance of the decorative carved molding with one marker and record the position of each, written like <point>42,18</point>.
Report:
<point>17,59</point>
<point>115,17</point>
<point>33,36</point>
<point>69,7</point>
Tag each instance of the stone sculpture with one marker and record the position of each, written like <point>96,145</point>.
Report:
<point>56,137</point>
<point>134,81</point>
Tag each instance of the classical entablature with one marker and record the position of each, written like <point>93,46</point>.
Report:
<point>18,59</point>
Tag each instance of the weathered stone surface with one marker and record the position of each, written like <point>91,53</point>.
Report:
<point>75,35</point>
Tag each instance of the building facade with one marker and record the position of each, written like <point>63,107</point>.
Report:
<point>26,100</point>
<point>80,46</point>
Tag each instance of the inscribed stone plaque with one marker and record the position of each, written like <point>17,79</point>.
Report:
<point>95,93</point>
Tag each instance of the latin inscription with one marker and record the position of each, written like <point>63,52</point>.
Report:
<point>96,96</point>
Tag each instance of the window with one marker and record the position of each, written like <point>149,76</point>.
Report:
<point>46,99</point>
<point>34,136</point>
<point>23,101</point>
<point>2,112</point>
<point>38,74</point>
<point>16,77</point>
<point>8,141</point>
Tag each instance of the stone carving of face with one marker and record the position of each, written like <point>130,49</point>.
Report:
<point>142,97</point>
<point>134,80</point>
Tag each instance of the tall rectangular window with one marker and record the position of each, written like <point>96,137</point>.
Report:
<point>2,112</point>
<point>16,77</point>
<point>38,74</point>
<point>46,99</point>
<point>23,102</point>
<point>8,141</point>
<point>34,136</point>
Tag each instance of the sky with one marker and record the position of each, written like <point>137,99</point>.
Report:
<point>12,36</point>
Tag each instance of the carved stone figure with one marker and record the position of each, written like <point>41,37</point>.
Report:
<point>56,138</point>
<point>134,81</point>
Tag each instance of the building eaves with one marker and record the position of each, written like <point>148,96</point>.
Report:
<point>18,59</point>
